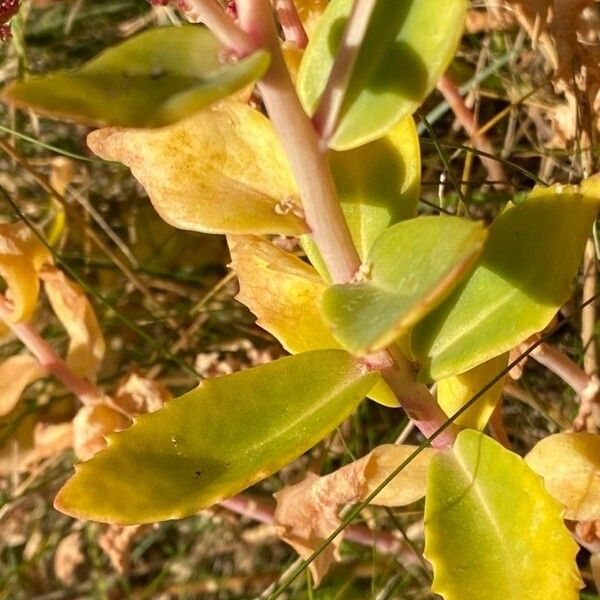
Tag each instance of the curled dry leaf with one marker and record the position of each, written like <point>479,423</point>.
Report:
<point>69,302</point>
<point>307,513</point>
<point>135,396</point>
<point>16,373</point>
<point>116,541</point>
<point>138,395</point>
<point>91,424</point>
<point>21,255</point>
<point>570,466</point>
<point>67,558</point>
<point>220,171</point>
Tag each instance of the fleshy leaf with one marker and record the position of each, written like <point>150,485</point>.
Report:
<point>378,185</point>
<point>220,171</point>
<point>21,255</point>
<point>308,512</point>
<point>216,440</point>
<point>570,466</point>
<point>523,277</point>
<point>73,309</point>
<point>285,295</point>
<point>492,532</point>
<point>454,392</point>
<point>407,47</point>
<point>153,79</point>
<point>413,266</point>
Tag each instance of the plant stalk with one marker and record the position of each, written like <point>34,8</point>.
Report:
<point>310,167</point>
<point>48,358</point>
<point>326,117</point>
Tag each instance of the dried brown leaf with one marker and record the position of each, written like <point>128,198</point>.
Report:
<point>308,512</point>
<point>67,558</point>
<point>137,395</point>
<point>90,426</point>
<point>116,542</point>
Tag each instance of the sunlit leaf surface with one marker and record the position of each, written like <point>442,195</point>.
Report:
<point>285,294</point>
<point>217,440</point>
<point>455,391</point>
<point>523,277</point>
<point>221,171</point>
<point>153,79</point>
<point>378,185</point>
<point>408,46</point>
<point>492,532</point>
<point>412,267</point>
<point>570,466</point>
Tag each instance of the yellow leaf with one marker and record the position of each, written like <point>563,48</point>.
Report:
<point>220,171</point>
<point>454,392</point>
<point>21,255</point>
<point>308,513</point>
<point>570,466</point>
<point>16,373</point>
<point>86,345</point>
<point>285,294</point>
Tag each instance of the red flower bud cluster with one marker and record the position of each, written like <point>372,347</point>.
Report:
<point>8,9</point>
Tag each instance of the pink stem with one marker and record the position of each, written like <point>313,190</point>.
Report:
<point>327,115</point>
<point>48,358</point>
<point>211,13</point>
<point>466,118</point>
<point>301,143</point>
<point>383,541</point>
<point>291,24</point>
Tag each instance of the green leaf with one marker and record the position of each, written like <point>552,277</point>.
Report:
<point>217,440</point>
<point>454,392</point>
<point>285,295</point>
<point>407,47</point>
<point>570,466</point>
<point>413,266</point>
<point>378,185</point>
<point>153,79</point>
<point>492,532</point>
<point>523,277</point>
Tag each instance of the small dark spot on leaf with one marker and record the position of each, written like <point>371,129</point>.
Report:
<point>198,473</point>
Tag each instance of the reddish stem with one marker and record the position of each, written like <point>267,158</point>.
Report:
<point>291,24</point>
<point>48,358</point>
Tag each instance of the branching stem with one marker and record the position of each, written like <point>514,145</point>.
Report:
<point>326,117</point>
<point>48,358</point>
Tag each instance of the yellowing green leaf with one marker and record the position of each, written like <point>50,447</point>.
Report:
<point>408,45</point>
<point>378,185</point>
<point>412,267</point>
<point>73,309</point>
<point>523,277</point>
<point>220,171</point>
<point>492,532</point>
<point>454,392</point>
<point>216,440</point>
<point>21,255</point>
<point>570,466</point>
<point>285,295</point>
<point>308,512</point>
<point>153,79</point>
